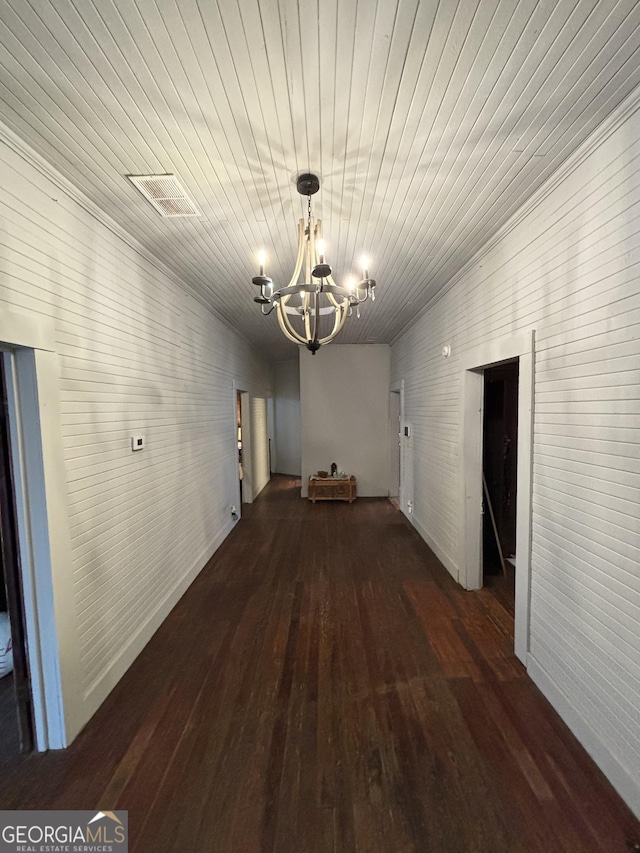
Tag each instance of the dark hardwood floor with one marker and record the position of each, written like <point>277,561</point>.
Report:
<point>9,732</point>
<point>325,686</point>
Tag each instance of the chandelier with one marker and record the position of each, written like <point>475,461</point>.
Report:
<point>314,310</point>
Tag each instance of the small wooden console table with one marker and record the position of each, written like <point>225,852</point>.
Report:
<point>332,489</point>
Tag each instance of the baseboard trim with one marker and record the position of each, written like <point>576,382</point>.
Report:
<point>440,553</point>
<point>619,776</point>
<point>100,689</point>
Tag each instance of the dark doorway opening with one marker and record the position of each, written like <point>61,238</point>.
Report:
<point>16,727</point>
<point>500,463</point>
<point>395,438</point>
<point>239,436</point>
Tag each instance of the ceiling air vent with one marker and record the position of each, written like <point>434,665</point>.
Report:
<point>166,194</point>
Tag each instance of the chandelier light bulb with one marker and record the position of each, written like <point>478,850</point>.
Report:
<point>262,257</point>
<point>365,267</point>
<point>320,245</point>
<point>351,284</point>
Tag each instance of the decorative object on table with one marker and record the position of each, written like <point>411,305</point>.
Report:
<point>332,489</point>
<point>320,298</point>
<point>334,469</point>
<point>322,474</point>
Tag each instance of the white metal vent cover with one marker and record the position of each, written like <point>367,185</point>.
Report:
<point>166,194</point>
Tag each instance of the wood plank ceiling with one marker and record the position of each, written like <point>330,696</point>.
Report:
<point>428,122</point>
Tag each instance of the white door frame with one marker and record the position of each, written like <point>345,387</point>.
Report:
<point>271,434</point>
<point>44,542</point>
<point>398,388</point>
<point>474,362</point>
<point>395,416</point>
<point>247,450</point>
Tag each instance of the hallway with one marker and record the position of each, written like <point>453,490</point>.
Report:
<point>324,685</point>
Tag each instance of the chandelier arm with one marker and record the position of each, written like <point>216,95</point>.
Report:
<point>364,298</point>
<point>337,304</point>
<point>329,280</point>
<point>336,326</point>
<point>307,316</point>
<point>300,258</point>
<point>294,334</point>
<point>315,228</point>
<point>311,288</point>
<point>331,298</point>
<point>341,316</point>
<point>286,326</point>
<point>316,316</point>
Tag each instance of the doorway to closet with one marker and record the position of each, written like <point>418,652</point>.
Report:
<point>16,727</point>
<point>500,467</point>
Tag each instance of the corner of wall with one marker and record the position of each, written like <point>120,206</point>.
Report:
<point>623,780</point>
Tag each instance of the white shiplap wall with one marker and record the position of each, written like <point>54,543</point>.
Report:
<point>567,266</point>
<point>137,355</point>
<point>344,405</point>
<point>288,431</point>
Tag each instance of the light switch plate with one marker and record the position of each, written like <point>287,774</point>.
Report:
<point>137,442</point>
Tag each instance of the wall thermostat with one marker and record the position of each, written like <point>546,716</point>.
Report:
<point>137,442</point>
